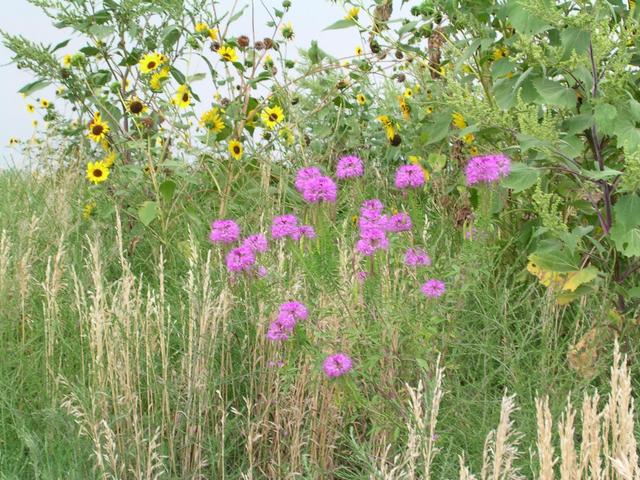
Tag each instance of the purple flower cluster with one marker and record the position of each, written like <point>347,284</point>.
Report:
<point>416,257</point>
<point>433,288</point>
<point>224,231</point>
<point>240,259</point>
<point>289,315</point>
<point>409,176</point>
<point>337,365</point>
<point>287,226</point>
<point>349,167</point>
<point>374,226</point>
<point>487,168</point>
<point>315,187</point>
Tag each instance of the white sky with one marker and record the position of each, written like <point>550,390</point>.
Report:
<point>309,18</point>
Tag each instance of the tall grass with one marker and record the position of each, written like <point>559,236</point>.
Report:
<point>116,370</point>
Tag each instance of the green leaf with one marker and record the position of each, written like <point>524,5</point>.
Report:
<point>574,40</point>
<point>60,45</point>
<point>344,23</point>
<point>29,88</point>
<point>407,27</point>
<point>554,93</point>
<point>605,116</point>
<point>605,174</point>
<point>576,279</point>
<point>625,231</point>
<point>101,31</point>
<point>170,36</point>
<point>167,189</point>
<point>557,260</point>
<point>521,177</point>
<point>148,212</point>
<point>523,20</point>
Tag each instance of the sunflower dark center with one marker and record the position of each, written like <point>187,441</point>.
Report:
<point>136,107</point>
<point>151,65</point>
<point>185,97</point>
<point>236,150</point>
<point>97,129</point>
<point>273,117</point>
<point>97,173</point>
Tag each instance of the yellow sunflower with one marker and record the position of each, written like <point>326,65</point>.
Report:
<point>151,61</point>
<point>272,116</point>
<point>44,103</point>
<point>235,149</point>
<point>157,78</point>
<point>212,120</point>
<point>458,120</point>
<point>88,209</point>
<point>136,106</point>
<point>228,54</point>
<point>287,135</point>
<point>352,14</point>
<point>182,98</point>
<point>66,60</point>
<point>469,138</point>
<point>201,27</point>
<point>474,151</point>
<point>97,172</point>
<point>361,99</point>
<point>213,33</point>
<point>97,128</point>
<point>110,159</point>
<point>30,108</point>
<point>359,50</point>
<point>404,106</point>
<point>408,93</point>
<point>13,141</point>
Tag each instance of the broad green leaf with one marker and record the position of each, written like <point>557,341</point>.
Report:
<point>101,31</point>
<point>60,45</point>
<point>605,174</point>
<point>167,189</point>
<point>575,279</point>
<point>521,177</point>
<point>574,40</point>
<point>523,20</point>
<point>625,231</point>
<point>170,36</point>
<point>148,212</point>
<point>605,116</point>
<point>557,260</point>
<point>344,23</point>
<point>554,93</point>
<point>32,87</point>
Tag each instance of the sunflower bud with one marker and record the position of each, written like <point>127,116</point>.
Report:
<point>243,41</point>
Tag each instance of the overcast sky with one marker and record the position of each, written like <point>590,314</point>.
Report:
<point>309,18</point>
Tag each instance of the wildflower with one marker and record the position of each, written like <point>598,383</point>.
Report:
<point>433,288</point>
<point>320,189</point>
<point>359,50</point>
<point>201,27</point>
<point>34,123</point>
<point>97,172</point>
<point>337,365</point>
<point>458,120</point>
<point>278,331</point>
<point>284,226</point>
<point>240,259</point>
<point>287,136</point>
<point>304,231</point>
<point>109,159</point>
<point>369,245</point>
<point>235,149</point>
<point>499,52</point>
<point>262,271</point>
<point>228,54</point>
<point>415,257</point>
<point>182,98</point>
<point>60,91</point>
<point>287,31</point>
<point>258,243</point>
<point>487,168</point>
<point>224,231</point>
<point>349,167</point>
<point>272,116</point>
<point>136,106</point>
<point>404,106</point>
<point>157,78</point>
<point>400,222</point>
<point>30,108</point>
<point>474,151</point>
<point>97,128</point>
<point>408,92</point>
<point>88,209</point>
<point>213,34</point>
<point>66,60</point>
<point>352,14</point>
<point>13,141</point>
<point>295,310</point>
<point>371,208</point>
<point>151,61</point>
<point>409,176</point>
<point>304,175</point>
<point>469,138</point>
<point>44,103</point>
<point>361,99</point>
<point>212,120</point>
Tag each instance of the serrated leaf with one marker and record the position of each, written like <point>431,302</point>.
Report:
<point>575,279</point>
<point>605,115</point>
<point>148,212</point>
<point>625,231</point>
<point>554,93</point>
<point>170,36</point>
<point>521,177</point>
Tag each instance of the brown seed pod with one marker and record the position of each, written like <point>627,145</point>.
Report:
<point>268,43</point>
<point>396,140</point>
<point>259,45</point>
<point>215,46</point>
<point>243,41</point>
<point>147,122</point>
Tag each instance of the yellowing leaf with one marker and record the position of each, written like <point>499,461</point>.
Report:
<point>575,279</point>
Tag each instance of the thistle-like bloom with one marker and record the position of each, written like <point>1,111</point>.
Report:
<point>320,189</point>
<point>278,331</point>
<point>409,176</point>
<point>240,258</point>
<point>224,231</point>
<point>415,257</point>
<point>304,231</point>
<point>367,246</point>
<point>371,208</point>
<point>295,310</point>
<point>258,243</point>
<point>487,168</point>
<point>304,175</point>
<point>349,167</point>
<point>433,288</point>
<point>284,226</point>
<point>400,222</point>
<point>337,365</point>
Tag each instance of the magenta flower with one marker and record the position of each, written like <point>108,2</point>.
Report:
<point>337,365</point>
<point>349,167</point>
<point>224,231</point>
<point>257,243</point>
<point>295,309</point>
<point>262,271</point>
<point>487,169</point>
<point>304,231</point>
<point>373,226</point>
<point>304,175</point>
<point>433,288</point>
<point>400,222</point>
<point>367,246</point>
<point>240,258</point>
<point>409,176</point>
<point>371,208</point>
<point>415,257</point>
<point>278,331</point>
<point>284,226</point>
<point>320,189</point>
